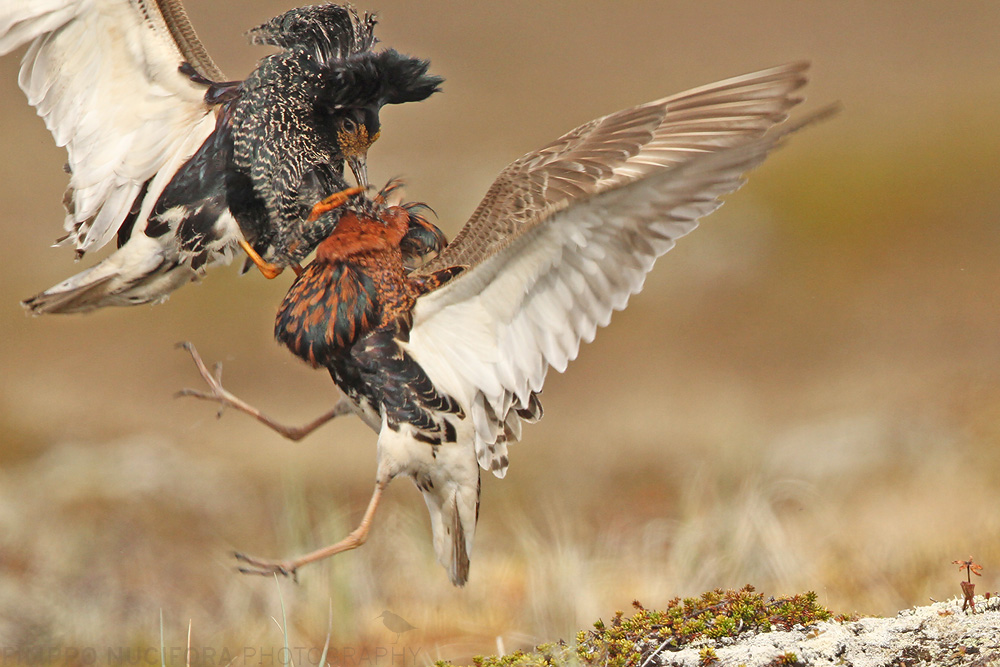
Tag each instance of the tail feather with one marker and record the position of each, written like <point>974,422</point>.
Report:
<point>447,475</point>
<point>454,510</point>
<point>65,298</point>
<point>139,272</point>
<point>458,568</point>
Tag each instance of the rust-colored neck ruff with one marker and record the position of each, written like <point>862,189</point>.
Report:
<point>356,284</point>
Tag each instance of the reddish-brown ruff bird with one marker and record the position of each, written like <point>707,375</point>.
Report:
<point>445,362</point>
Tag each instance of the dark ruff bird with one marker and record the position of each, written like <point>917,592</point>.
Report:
<point>180,166</point>
<point>445,362</point>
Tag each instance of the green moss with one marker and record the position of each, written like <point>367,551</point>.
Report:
<point>787,659</point>
<point>707,657</point>
<point>628,642</point>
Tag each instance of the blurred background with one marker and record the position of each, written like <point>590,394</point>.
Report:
<point>805,396</point>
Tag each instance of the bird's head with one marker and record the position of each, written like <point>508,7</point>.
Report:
<point>351,82</point>
<point>355,130</point>
<point>358,87</point>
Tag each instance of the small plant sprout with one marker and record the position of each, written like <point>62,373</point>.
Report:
<point>968,588</point>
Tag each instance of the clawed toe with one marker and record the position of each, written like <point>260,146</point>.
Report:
<point>217,393</point>
<point>212,378</point>
<point>265,568</point>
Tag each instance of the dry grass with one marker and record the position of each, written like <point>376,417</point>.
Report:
<point>96,539</point>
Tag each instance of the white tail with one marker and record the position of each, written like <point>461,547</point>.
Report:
<point>447,475</point>
<point>454,510</point>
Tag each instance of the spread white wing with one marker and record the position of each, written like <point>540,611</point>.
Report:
<point>104,76</point>
<point>567,234</point>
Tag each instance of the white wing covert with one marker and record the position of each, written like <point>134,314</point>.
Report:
<point>103,74</point>
<point>566,235</point>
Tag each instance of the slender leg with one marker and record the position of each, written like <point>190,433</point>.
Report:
<point>288,568</point>
<point>332,202</point>
<point>270,271</point>
<point>220,395</point>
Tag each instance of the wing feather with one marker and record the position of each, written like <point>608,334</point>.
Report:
<point>103,74</point>
<point>609,152</point>
<point>549,279</point>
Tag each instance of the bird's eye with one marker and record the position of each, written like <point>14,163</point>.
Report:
<point>350,126</point>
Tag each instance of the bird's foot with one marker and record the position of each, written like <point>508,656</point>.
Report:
<point>269,271</point>
<point>288,568</point>
<point>335,200</point>
<point>225,399</point>
<point>213,379</point>
<point>266,568</point>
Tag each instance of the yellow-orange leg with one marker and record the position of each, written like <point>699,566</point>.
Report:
<point>288,568</point>
<point>269,270</point>
<point>332,202</point>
